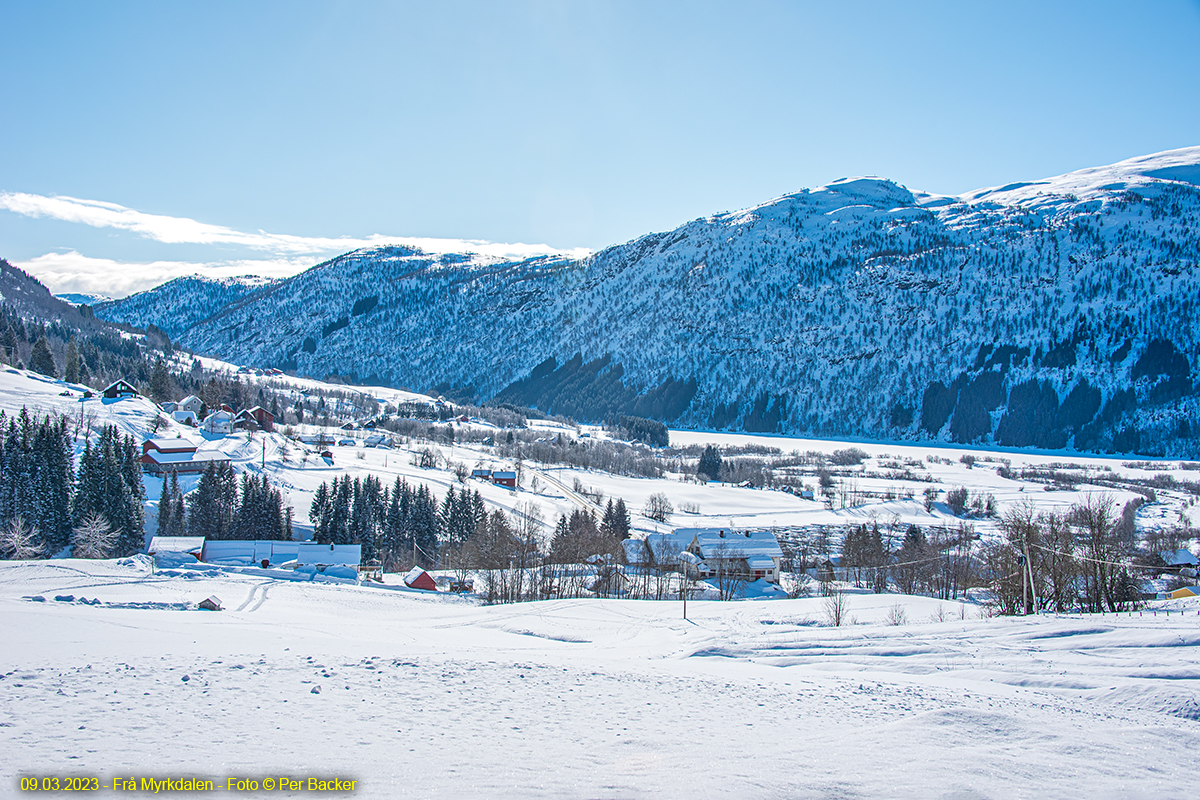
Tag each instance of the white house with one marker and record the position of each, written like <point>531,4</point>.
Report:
<point>185,418</point>
<point>753,554</point>
<point>218,422</point>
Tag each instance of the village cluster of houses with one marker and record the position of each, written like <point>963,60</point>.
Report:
<point>220,420</point>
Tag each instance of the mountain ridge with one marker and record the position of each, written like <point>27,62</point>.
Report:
<point>859,308</point>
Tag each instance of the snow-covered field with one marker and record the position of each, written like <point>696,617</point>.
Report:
<point>299,470</point>
<point>414,695</point>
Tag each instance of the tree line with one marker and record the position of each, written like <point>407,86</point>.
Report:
<point>47,503</point>
<point>219,509</point>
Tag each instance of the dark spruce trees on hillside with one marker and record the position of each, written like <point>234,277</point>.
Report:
<point>40,487</point>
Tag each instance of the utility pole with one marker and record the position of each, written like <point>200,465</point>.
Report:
<point>1024,584</point>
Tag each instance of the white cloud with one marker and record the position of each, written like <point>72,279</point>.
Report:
<point>75,272</point>
<point>181,230</point>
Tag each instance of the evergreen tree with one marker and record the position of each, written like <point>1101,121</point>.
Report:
<point>71,368</point>
<point>424,525</point>
<point>212,506</point>
<point>177,514</point>
<point>621,518</point>
<point>710,463</point>
<point>166,509</point>
<point>41,359</point>
<point>160,382</point>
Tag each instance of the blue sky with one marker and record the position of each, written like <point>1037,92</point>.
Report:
<point>190,128</point>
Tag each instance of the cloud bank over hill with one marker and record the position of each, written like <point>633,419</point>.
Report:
<point>286,254</point>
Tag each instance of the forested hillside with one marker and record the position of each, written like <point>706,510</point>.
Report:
<point>1053,314</point>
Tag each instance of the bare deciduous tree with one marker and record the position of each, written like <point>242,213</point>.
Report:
<point>19,540</point>
<point>658,508</point>
<point>94,537</point>
<point>836,607</point>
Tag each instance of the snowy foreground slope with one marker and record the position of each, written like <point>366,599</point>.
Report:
<point>415,695</point>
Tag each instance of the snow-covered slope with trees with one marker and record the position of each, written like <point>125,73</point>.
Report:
<point>1058,313</point>
<point>190,299</point>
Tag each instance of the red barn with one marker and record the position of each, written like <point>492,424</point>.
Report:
<point>505,479</point>
<point>418,578</point>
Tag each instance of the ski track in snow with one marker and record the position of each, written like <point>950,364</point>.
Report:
<point>583,698</point>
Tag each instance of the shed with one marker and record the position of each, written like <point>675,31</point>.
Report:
<point>418,578</point>
<point>120,389</point>
<point>210,603</point>
<point>505,479</point>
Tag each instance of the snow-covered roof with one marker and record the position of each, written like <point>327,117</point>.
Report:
<point>329,554</point>
<point>1180,558</point>
<point>512,476</point>
<point>186,457</point>
<point>664,547</point>
<point>244,551</point>
<point>175,544</point>
<point>760,562</point>
<point>170,445</point>
<point>714,541</point>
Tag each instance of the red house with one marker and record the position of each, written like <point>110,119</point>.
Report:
<point>505,479</point>
<point>160,456</point>
<point>257,418</point>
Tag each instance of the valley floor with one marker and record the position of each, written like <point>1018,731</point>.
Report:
<point>414,695</point>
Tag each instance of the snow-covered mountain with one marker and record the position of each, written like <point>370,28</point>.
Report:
<point>1056,313</point>
<point>190,299</point>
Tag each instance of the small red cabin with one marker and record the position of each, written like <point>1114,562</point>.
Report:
<point>418,578</point>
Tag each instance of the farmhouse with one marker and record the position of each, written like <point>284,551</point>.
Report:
<point>160,456</point>
<point>218,422</point>
<point>505,479</point>
<point>752,554</point>
<point>120,389</point>
<point>190,403</point>
<point>257,418</point>
<point>1178,560</point>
